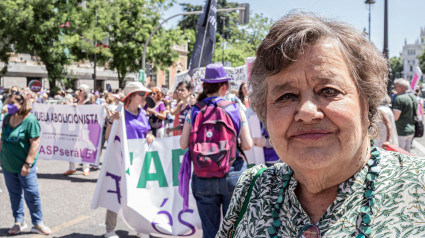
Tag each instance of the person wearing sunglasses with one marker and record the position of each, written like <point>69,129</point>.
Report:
<point>137,127</point>
<point>20,140</point>
<point>84,98</point>
<point>157,114</point>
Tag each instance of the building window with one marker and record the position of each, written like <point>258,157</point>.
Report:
<point>411,68</point>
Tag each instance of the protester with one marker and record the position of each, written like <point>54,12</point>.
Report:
<point>387,131</point>
<point>18,157</point>
<point>157,115</point>
<point>404,109</point>
<point>243,94</point>
<point>13,90</point>
<point>215,175</point>
<point>84,98</point>
<point>316,85</point>
<point>184,91</point>
<point>137,127</point>
<point>420,111</point>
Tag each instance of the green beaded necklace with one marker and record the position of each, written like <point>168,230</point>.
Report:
<point>364,217</point>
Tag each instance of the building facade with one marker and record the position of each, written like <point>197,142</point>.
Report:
<point>23,68</point>
<point>409,56</point>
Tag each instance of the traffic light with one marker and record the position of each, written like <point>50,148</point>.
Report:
<point>244,14</point>
<point>148,69</point>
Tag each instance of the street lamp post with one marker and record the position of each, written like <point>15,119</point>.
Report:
<point>369,3</point>
<point>222,48</point>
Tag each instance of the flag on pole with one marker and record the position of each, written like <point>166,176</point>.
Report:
<point>416,77</point>
<point>203,49</point>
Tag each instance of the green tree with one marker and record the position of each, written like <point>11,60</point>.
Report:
<point>422,61</point>
<point>38,28</point>
<point>241,41</point>
<point>132,22</point>
<point>396,67</point>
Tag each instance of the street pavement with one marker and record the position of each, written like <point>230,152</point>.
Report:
<point>66,203</point>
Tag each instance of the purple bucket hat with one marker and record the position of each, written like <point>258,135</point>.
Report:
<point>214,73</point>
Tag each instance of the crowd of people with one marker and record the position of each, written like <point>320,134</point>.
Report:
<point>323,111</point>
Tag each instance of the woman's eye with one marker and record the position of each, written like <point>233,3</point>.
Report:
<point>286,97</point>
<point>329,92</point>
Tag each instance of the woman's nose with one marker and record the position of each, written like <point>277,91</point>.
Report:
<point>308,111</point>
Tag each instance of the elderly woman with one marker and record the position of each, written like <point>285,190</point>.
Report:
<point>316,85</point>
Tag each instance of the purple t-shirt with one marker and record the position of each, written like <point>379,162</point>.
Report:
<point>270,155</point>
<point>137,126</point>
<point>182,114</point>
<point>158,108</point>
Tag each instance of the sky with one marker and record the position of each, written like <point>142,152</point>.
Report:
<point>405,17</point>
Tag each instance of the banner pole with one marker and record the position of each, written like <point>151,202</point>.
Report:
<point>95,201</point>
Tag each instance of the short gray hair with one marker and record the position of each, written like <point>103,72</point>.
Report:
<point>290,36</point>
<point>402,82</point>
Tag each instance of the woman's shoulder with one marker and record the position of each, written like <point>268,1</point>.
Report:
<point>395,164</point>
<point>265,177</point>
<point>31,117</point>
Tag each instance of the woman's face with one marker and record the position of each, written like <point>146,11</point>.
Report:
<point>82,94</point>
<point>14,101</point>
<point>138,98</point>
<point>183,93</point>
<point>154,95</point>
<point>245,90</point>
<point>315,117</point>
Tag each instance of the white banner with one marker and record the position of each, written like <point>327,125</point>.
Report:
<point>140,182</point>
<point>70,133</point>
<point>238,74</point>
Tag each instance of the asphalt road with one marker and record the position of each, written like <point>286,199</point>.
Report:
<point>66,202</point>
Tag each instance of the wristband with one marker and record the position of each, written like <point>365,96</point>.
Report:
<point>29,164</point>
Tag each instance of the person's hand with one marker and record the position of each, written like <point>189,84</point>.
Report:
<point>25,170</point>
<point>151,111</point>
<point>259,141</point>
<point>192,100</point>
<point>150,138</point>
<point>167,131</point>
<point>115,116</point>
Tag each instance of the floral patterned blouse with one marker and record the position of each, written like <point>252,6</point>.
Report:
<point>399,210</point>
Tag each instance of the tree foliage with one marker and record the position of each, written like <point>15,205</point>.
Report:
<point>422,61</point>
<point>35,27</point>
<point>241,41</point>
<point>396,66</point>
<point>40,27</point>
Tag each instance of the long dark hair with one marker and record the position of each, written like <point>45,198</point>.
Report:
<point>187,84</point>
<point>210,88</point>
<point>240,93</point>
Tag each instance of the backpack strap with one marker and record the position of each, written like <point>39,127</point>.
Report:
<point>223,104</point>
<point>201,105</point>
<point>246,202</point>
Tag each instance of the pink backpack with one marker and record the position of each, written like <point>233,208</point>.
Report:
<point>213,140</point>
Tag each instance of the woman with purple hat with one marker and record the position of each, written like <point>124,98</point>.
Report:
<point>137,127</point>
<point>212,187</point>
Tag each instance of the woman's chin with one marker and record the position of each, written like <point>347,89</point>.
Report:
<point>312,159</point>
